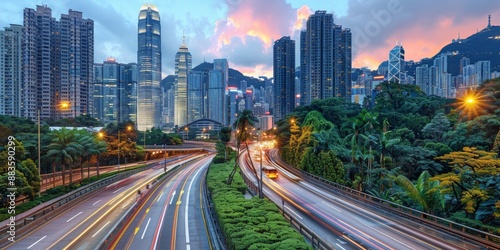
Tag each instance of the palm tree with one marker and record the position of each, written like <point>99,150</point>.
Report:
<point>384,144</point>
<point>243,123</point>
<point>64,149</point>
<point>425,193</point>
<point>86,144</point>
<point>225,137</point>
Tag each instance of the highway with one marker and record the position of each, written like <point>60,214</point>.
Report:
<point>344,223</point>
<point>171,217</point>
<point>84,225</point>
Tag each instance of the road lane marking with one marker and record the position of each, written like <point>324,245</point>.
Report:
<point>340,246</point>
<point>37,241</point>
<point>126,203</point>
<point>173,195</point>
<point>74,216</point>
<point>100,229</point>
<point>118,190</point>
<point>293,212</point>
<point>331,206</point>
<point>159,197</point>
<point>146,228</point>
<point>96,202</point>
<point>186,224</point>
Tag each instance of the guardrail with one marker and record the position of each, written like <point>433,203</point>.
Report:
<point>315,241</point>
<point>215,230</point>
<point>110,238</point>
<point>39,217</point>
<point>485,239</point>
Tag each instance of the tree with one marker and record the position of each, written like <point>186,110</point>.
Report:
<point>225,137</point>
<point>425,192</point>
<point>472,168</point>
<point>438,126</point>
<point>64,150</point>
<point>243,124</point>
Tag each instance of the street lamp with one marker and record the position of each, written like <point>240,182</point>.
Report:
<point>261,181</point>
<point>39,164</point>
<point>100,135</point>
<point>129,128</point>
<point>165,158</point>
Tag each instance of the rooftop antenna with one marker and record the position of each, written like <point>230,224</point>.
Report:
<point>183,38</point>
<point>489,21</point>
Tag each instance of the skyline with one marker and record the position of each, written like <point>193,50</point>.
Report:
<point>231,30</point>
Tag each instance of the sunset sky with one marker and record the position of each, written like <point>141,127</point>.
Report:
<point>243,31</point>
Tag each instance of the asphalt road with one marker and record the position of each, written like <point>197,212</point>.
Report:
<point>84,225</point>
<point>345,224</point>
<point>172,216</point>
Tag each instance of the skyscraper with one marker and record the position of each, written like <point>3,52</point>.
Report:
<point>57,64</point>
<point>396,64</point>
<point>325,59</point>
<point>483,71</point>
<point>284,77</point>
<point>216,96</point>
<point>422,78</point>
<point>10,70</point>
<point>343,79</point>
<point>149,110</point>
<point>223,66</point>
<point>183,62</point>
<point>115,91</point>
<point>195,108</point>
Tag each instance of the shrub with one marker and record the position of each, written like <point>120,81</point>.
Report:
<point>248,223</point>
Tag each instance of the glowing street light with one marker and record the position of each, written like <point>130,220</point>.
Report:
<point>129,128</point>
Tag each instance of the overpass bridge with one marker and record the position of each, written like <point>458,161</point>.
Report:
<point>158,151</point>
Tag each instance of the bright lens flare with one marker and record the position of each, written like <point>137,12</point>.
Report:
<point>472,104</point>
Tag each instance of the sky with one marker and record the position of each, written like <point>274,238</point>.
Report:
<point>243,31</point>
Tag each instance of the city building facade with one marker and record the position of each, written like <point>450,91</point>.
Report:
<point>149,108</point>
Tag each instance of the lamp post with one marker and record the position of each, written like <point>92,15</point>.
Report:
<point>39,164</point>
<point>101,135</point>
<point>261,181</point>
<point>165,158</point>
<point>118,146</point>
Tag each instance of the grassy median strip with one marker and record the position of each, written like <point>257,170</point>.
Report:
<point>248,223</point>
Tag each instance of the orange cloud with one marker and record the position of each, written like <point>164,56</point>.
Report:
<point>303,14</point>
<point>255,71</point>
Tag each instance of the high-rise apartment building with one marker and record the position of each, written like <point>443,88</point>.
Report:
<point>325,59</point>
<point>149,108</point>
<point>10,70</point>
<point>183,63</point>
<point>57,64</point>
<point>422,79</point>
<point>343,80</point>
<point>284,77</point>
<point>483,71</point>
<point>396,64</point>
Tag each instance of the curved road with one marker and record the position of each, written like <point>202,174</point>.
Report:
<point>345,224</point>
<point>172,216</point>
<point>84,225</point>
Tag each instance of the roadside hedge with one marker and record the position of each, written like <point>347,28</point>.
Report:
<point>248,223</point>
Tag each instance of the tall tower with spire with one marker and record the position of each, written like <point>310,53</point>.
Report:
<point>149,108</point>
<point>489,22</point>
<point>183,63</point>
<point>396,64</point>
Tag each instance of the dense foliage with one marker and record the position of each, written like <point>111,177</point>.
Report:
<point>248,223</point>
<point>439,155</point>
